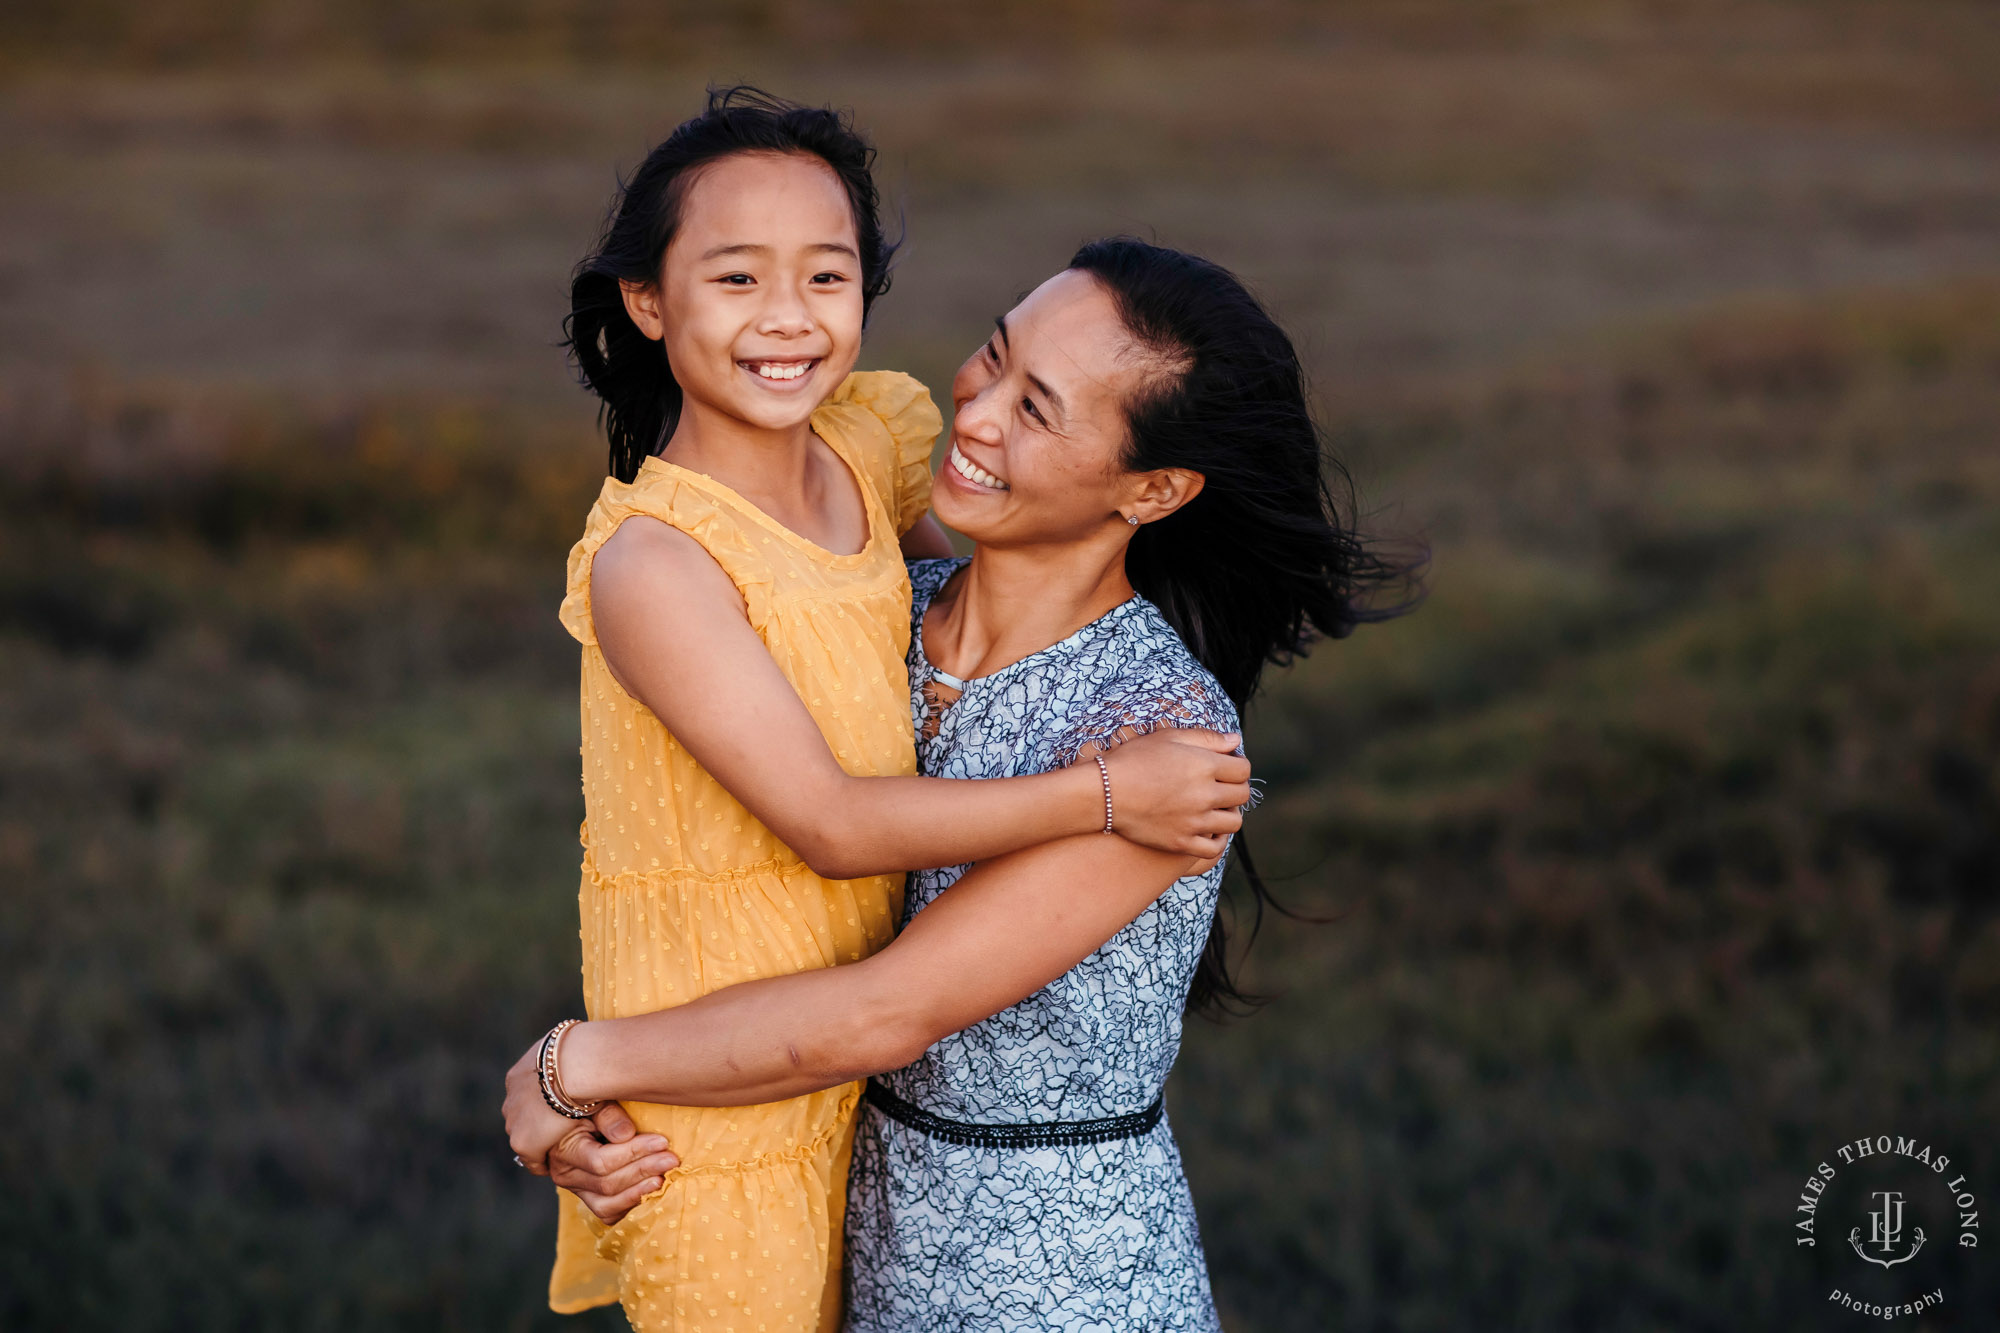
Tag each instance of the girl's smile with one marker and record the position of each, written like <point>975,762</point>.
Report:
<point>787,377</point>
<point>783,374</point>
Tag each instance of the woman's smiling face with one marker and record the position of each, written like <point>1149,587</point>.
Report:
<point>1038,430</point>
<point>758,302</point>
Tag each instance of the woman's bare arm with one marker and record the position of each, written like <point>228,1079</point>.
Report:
<point>674,632</point>
<point>1003,931</point>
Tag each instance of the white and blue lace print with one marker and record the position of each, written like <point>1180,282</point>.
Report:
<point>1074,1214</point>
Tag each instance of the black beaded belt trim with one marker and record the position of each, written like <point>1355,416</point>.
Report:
<point>1047,1135</point>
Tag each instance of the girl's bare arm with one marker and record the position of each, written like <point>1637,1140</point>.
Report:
<point>675,635</point>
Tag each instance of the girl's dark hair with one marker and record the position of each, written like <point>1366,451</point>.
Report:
<point>1262,561</point>
<point>623,367</point>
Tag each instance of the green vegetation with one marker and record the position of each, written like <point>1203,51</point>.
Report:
<point>1661,847</point>
<point>291,809</point>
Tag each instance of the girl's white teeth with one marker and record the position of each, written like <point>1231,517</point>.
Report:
<point>972,472</point>
<point>780,370</point>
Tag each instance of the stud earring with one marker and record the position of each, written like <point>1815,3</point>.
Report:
<point>1132,520</point>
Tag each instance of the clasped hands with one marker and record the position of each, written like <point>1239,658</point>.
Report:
<point>604,1160</point>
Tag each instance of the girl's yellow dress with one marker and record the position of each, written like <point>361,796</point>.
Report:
<point>684,892</point>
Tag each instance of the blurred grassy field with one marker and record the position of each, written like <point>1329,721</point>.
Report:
<point>1661,847</point>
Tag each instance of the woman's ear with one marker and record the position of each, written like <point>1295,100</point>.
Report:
<point>642,303</point>
<point>1162,492</point>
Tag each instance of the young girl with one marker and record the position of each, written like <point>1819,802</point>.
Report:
<point>743,558</point>
<point>1133,455</point>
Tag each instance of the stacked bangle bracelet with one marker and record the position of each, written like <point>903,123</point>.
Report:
<point>552,1089</point>
<point>1105,773</point>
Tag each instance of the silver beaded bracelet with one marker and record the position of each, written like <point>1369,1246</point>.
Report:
<point>1105,773</point>
<point>552,1089</point>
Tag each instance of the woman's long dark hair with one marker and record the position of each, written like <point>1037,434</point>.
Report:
<point>1262,562</point>
<point>623,367</point>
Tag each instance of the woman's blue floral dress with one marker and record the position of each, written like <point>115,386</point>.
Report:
<point>1022,1175</point>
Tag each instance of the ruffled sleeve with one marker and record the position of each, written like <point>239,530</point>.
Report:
<point>900,467</point>
<point>1150,693</point>
<point>658,494</point>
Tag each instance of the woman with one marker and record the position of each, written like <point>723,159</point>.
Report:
<point>1133,454</point>
<point>744,611</point>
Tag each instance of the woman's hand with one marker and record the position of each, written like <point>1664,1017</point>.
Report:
<point>533,1127</point>
<point>1178,789</point>
<point>600,1152</point>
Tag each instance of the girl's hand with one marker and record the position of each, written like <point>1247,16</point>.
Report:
<point>1179,789</point>
<point>613,1168</point>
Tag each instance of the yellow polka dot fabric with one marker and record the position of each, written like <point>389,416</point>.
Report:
<point>685,892</point>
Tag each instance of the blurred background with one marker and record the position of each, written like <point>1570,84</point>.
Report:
<point>1660,848</point>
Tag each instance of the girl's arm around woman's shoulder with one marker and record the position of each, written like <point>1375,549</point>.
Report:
<point>675,633</point>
